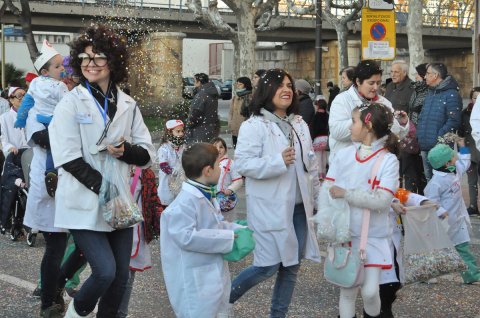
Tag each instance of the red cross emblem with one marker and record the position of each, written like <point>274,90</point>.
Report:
<point>374,183</point>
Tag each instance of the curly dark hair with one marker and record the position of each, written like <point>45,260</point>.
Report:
<point>103,40</point>
<point>266,90</point>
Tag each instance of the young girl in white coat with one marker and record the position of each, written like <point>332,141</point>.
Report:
<point>230,180</point>
<point>169,156</point>
<point>349,177</point>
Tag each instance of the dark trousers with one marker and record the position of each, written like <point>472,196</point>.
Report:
<point>108,254</point>
<point>12,171</point>
<point>411,172</point>
<point>55,244</point>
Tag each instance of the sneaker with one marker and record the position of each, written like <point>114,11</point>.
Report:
<point>53,311</point>
<point>472,210</point>
<point>37,292</point>
<point>59,300</point>
<point>51,181</point>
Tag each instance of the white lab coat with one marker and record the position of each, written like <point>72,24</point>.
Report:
<point>229,177</point>
<point>350,173</point>
<point>166,153</point>
<point>4,105</point>
<point>446,190</point>
<point>40,209</point>
<point>77,126</point>
<point>11,137</point>
<point>193,240</point>
<point>46,93</point>
<point>340,120</point>
<point>270,189</point>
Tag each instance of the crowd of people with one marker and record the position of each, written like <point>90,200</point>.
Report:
<point>91,173</point>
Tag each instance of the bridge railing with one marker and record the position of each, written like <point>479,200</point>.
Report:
<point>436,13</point>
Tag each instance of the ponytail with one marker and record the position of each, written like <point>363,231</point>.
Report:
<point>392,144</point>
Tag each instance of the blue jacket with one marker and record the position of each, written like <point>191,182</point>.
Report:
<point>441,113</point>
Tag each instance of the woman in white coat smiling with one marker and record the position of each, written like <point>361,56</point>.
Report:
<point>274,152</point>
<point>96,115</point>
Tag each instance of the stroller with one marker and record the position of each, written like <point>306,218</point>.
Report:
<point>14,194</point>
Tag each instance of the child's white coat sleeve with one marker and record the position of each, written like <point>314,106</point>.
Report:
<point>237,180</point>
<point>182,228</point>
<point>381,197</point>
<point>475,123</point>
<point>433,192</point>
<point>463,162</point>
<point>415,199</point>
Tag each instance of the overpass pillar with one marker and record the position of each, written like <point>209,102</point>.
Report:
<point>156,71</point>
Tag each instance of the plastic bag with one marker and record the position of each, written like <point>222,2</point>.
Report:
<point>118,207</point>
<point>243,245</point>
<point>428,251</point>
<point>333,218</point>
<point>176,179</point>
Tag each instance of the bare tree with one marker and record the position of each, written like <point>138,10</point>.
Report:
<point>350,12</point>
<point>24,18</point>
<point>414,35</point>
<point>252,17</point>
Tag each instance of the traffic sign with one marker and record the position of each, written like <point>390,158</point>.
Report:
<point>378,34</point>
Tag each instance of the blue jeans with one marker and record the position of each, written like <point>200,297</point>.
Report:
<point>108,254</point>
<point>427,168</point>
<point>286,276</point>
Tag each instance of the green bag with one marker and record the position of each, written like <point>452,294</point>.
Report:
<point>241,222</point>
<point>242,245</point>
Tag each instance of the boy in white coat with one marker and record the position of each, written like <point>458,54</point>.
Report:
<point>193,240</point>
<point>445,189</point>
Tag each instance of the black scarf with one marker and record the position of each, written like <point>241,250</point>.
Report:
<point>112,95</point>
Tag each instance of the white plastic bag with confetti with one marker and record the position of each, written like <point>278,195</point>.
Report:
<point>428,251</point>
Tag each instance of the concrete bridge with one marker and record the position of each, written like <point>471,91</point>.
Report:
<point>71,16</point>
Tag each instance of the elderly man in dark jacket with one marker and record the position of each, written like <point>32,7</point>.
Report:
<point>441,112</point>
<point>203,123</point>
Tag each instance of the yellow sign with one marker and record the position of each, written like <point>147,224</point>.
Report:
<point>378,34</point>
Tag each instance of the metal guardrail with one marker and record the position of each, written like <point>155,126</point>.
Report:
<point>437,13</point>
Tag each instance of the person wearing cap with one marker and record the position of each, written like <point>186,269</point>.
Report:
<point>94,120</point>
<point>13,144</point>
<point>444,188</point>
<point>441,111</point>
<point>169,156</point>
<point>306,109</point>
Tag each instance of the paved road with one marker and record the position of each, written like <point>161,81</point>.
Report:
<point>314,297</point>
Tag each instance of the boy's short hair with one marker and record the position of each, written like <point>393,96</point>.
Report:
<point>197,157</point>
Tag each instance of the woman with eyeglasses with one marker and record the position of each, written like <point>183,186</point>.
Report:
<point>275,154</point>
<point>13,145</point>
<point>94,116</point>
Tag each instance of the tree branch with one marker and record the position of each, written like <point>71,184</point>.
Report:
<point>263,7</point>
<point>300,10</point>
<point>267,27</point>
<point>12,7</point>
<point>210,17</point>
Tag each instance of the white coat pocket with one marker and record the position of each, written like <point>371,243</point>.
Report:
<point>77,196</point>
<point>208,282</point>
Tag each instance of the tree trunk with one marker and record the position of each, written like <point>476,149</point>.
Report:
<point>247,37</point>
<point>342,34</point>
<point>414,35</point>
<point>236,58</point>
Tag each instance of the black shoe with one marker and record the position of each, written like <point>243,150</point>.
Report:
<point>59,299</point>
<point>37,292</point>
<point>365,315</point>
<point>51,181</point>
<point>472,210</point>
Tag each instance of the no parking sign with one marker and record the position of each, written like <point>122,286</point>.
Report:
<point>378,34</point>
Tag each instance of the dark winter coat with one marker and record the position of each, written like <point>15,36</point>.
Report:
<point>465,131</point>
<point>203,123</point>
<point>306,109</point>
<point>420,90</point>
<point>319,126</point>
<point>399,94</point>
<point>441,113</point>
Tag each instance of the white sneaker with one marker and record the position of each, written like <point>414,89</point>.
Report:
<point>71,313</point>
<point>226,312</point>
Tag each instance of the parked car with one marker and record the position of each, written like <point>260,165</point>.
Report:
<point>218,85</point>
<point>188,87</point>
<point>227,89</point>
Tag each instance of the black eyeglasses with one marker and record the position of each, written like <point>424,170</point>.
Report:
<point>99,59</point>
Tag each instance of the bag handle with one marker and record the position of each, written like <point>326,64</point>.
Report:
<point>136,176</point>
<point>366,212</point>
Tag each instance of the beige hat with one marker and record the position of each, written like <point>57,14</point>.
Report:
<point>46,54</point>
<point>173,123</point>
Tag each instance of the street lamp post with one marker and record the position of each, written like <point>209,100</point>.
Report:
<point>318,48</point>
